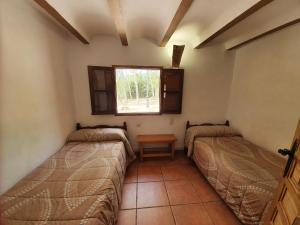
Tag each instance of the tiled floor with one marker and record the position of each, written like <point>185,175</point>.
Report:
<point>169,192</point>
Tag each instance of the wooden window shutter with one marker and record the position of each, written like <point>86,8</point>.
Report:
<point>171,90</point>
<point>102,90</point>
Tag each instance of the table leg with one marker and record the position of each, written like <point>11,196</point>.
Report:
<point>141,152</point>
<point>173,149</point>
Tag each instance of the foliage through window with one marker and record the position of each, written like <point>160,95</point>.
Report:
<point>137,90</point>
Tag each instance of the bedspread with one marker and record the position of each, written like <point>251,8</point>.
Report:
<point>80,184</point>
<point>243,174</point>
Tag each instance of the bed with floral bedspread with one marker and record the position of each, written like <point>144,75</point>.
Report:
<point>80,184</point>
<point>242,173</point>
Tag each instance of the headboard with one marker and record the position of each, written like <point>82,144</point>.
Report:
<point>79,127</point>
<point>188,125</point>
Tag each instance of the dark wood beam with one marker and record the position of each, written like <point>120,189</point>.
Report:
<point>115,9</point>
<point>265,33</point>
<point>180,13</point>
<point>233,22</point>
<point>60,19</point>
<point>177,54</point>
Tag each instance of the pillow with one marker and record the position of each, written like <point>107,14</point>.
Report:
<point>97,135</point>
<point>213,131</point>
<point>207,131</point>
<point>101,135</point>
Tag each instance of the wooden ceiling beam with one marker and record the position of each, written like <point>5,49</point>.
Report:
<point>278,28</point>
<point>115,9</point>
<point>60,19</point>
<point>180,13</point>
<point>233,22</point>
<point>177,54</point>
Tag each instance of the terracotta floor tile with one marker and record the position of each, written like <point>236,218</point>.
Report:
<point>135,163</point>
<point>176,190</point>
<point>155,216</point>
<point>129,196</point>
<point>149,173</point>
<point>180,159</point>
<point>154,162</point>
<point>192,171</point>
<point>221,214</point>
<point>152,194</point>
<point>193,214</point>
<point>204,190</point>
<point>131,175</point>
<point>173,172</point>
<point>127,217</point>
<point>181,192</point>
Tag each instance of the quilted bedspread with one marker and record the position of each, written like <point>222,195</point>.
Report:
<point>243,174</point>
<point>80,184</point>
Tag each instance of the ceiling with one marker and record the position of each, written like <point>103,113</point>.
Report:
<point>150,19</point>
<point>274,14</point>
<point>201,15</point>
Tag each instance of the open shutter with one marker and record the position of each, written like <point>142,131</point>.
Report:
<point>171,90</point>
<point>102,90</point>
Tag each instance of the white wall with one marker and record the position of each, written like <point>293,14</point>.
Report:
<point>39,62</point>
<point>264,103</point>
<point>36,98</point>
<point>208,74</point>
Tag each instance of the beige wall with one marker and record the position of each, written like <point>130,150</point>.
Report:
<point>264,103</point>
<point>206,84</point>
<point>36,98</point>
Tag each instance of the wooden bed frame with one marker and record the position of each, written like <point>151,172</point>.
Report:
<point>79,127</point>
<point>188,125</point>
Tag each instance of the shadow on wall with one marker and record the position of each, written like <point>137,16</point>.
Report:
<point>36,100</point>
<point>60,79</point>
<point>62,83</point>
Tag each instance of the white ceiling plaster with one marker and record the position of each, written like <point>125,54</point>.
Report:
<point>200,16</point>
<point>150,18</point>
<point>274,14</point>
<point>92,17</point>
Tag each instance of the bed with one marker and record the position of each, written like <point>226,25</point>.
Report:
<point>80,184</point>
<point>242,173</point>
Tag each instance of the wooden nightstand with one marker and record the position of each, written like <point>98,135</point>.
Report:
<point>169,139</point>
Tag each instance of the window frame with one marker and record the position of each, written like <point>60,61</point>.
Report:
<point>160,68</point>
<point>164,104</point>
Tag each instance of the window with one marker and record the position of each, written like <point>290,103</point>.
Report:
<point>138,90</point>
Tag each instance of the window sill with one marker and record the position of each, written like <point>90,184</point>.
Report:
<point>138,114</point>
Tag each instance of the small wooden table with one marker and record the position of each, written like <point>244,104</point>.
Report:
<point>169,139</point>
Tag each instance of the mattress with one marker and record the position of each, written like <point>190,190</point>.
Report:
<point>243,174</point>
<point>80,184</point>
